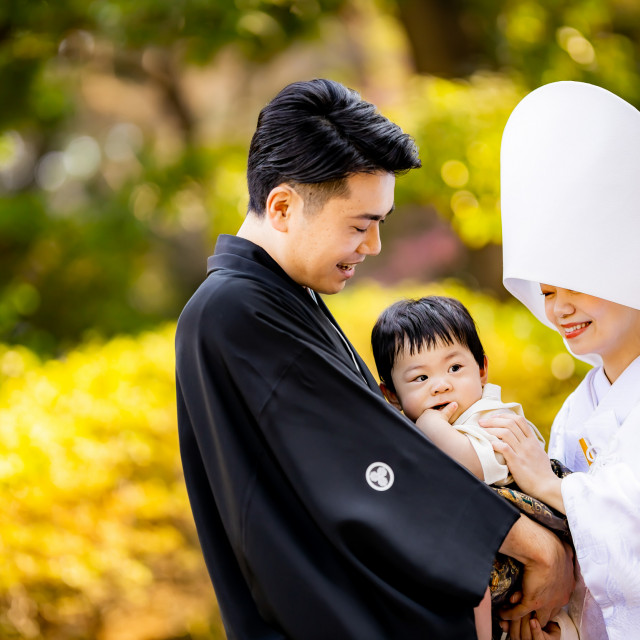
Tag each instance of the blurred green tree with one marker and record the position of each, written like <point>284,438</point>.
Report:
<point>538,41</point>
<point>96,226</point>
<point>124,127</point>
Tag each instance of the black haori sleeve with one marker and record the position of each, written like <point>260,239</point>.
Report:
<point>322,512</point>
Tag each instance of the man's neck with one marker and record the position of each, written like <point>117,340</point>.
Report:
<point>254,229</point>
<point>258,230</point>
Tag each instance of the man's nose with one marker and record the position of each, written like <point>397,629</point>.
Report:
<point>371,245</point>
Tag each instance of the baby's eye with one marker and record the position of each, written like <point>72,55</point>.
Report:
<point>422,378</point>
<point>455,367</point>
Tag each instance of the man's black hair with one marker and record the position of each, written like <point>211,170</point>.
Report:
<point>319,132</point>
<point>416,324</point>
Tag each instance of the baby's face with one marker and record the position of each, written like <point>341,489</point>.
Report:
<point>432,378</point>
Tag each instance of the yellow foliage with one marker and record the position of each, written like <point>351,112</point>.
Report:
<point>96,525</point>
<point>97,536</point>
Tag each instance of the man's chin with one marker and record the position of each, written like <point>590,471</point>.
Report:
<point>329,290</point>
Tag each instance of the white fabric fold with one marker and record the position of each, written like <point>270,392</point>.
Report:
<point>570,193</point>
<point>493,463</point>
<point>603,502</point>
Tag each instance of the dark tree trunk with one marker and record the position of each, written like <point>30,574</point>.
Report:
<point>445,37</point>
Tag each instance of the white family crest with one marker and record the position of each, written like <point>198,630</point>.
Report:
<point>379,476</point>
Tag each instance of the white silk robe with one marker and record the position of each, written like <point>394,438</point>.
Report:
<point>602,501</point>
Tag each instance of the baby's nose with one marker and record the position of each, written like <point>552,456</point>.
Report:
<point>440,384</point>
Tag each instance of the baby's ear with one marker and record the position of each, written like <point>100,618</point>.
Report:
<point>391,397</point>
<point>484,372</point>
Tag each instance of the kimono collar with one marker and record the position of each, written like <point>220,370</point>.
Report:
<point>619,397</point>
<point>233,252</point>
<point>228,246</point>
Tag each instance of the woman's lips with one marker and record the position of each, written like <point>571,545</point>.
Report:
<point>574,329</point>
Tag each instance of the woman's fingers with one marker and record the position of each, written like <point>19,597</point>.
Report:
<point>505,436</point>
<point>519,629</point>
<point>517,425</point>
<point>550,632</point>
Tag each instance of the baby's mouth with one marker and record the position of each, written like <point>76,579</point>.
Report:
<point>439,407</point>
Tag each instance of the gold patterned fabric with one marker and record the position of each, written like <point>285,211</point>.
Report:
<point>506,574</point>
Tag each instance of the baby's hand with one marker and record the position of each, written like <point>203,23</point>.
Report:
<point>433,419</point>
<point>526,459</point>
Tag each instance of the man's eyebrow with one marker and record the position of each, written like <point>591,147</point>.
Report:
<point>374,217</point>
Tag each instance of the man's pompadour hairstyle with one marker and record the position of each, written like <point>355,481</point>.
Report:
<point>320,132</point>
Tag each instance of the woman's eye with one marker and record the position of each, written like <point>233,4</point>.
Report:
<point>359,230</point>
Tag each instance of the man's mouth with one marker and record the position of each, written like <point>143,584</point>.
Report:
<point>346,267</point>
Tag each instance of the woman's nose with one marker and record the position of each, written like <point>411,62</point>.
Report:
<point>562,304</point>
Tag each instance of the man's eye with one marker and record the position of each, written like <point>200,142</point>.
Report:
<point>359,230</point>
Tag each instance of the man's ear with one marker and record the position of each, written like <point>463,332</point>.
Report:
<point>391,397</point>
<point>280,203</point>
<point>484,372</point>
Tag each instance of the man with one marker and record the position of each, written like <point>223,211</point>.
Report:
<point>322,512</point>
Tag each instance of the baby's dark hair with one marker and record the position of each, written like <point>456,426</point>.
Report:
<point>422,323</point>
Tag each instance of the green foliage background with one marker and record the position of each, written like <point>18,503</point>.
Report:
<point>123,136</point>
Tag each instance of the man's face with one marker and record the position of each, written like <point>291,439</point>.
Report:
<point>323,247</point>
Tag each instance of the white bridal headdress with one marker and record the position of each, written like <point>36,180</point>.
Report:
<point>570,195</point>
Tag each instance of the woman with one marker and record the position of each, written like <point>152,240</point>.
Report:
<point>571,235</point>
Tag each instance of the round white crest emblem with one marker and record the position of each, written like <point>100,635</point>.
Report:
<point>379,476</point>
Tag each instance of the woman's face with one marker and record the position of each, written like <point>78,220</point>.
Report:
<point>593,325</point>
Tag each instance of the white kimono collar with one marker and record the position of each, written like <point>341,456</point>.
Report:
<point>621,396</point>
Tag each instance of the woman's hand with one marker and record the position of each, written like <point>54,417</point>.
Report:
<point>527,461</point>
<point>550,632</point>
<point>528,628</point>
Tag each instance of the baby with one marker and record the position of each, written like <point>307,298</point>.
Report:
<point>433,368</point>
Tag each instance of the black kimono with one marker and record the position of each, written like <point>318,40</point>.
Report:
<point>323,513</point>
